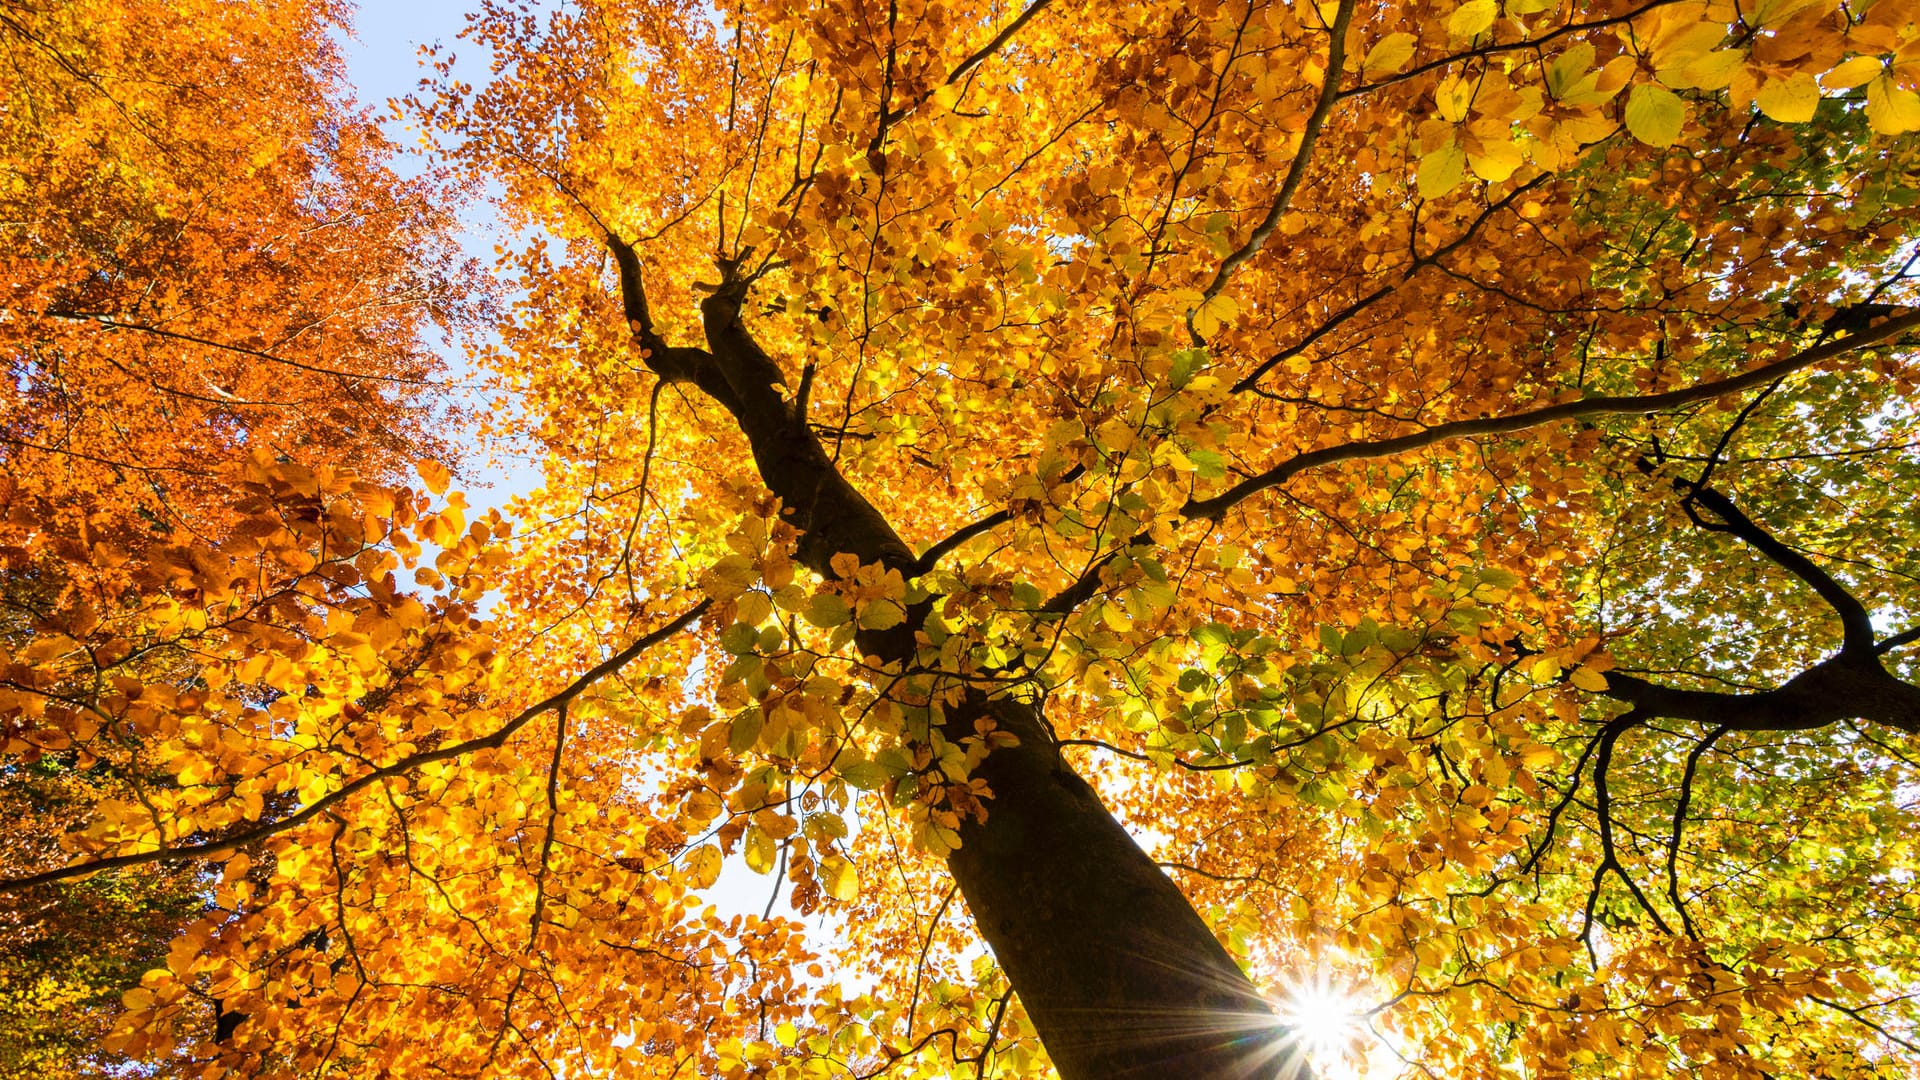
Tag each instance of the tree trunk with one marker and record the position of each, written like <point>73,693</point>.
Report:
<point>1119,973</point>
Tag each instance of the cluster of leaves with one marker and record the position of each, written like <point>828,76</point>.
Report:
<point>1090,282</point>
<point>205,257</point>
<point>1322,419</point>
<point>206,253</point>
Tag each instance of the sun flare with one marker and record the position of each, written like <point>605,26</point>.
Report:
<point>1327,1020</point>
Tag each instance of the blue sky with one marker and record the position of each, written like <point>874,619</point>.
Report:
<point>382,56</point>
<point>383,62</point>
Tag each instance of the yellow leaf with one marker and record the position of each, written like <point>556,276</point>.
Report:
<point>1790,100</point>
<point>1473,18</point>
<point>826,825</point>
<point>760,850</point>
<point>754,608</point>
<point>1442,171</point>
<point>1588,679</point>
<point>1682,41</point>
<point>1452,98</point>
<point>786,1034</point>
<point>703,866</point>
<point>1655,114</point>
<point>839,879</point>
<point>701,806</point>
<point>1390,53</point>
<point>1711,71</point>
<point>1495,161</point>
<point>729,577</point>
<point>1538,755</point>
<point>435,475</point>
<point>1892,109</point>
<point>1569,69</point>
<point>1218,310</point>
<point>1855,72</point>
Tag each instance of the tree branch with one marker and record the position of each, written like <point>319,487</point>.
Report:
<point>1856,624</point>
<point>1603,809</point>
<point>1431,258</point>
<point>493,741</point>
<point>633,290</point>
<point>986,51</point>
<point>1851,684</point>
<point>1680,824</point>
<point>931,557</point>
<point>116,324</point>
<point>1905,637</point>
<point>1845,686</point>
<point>1212,509</point>
<point>1529,43</point>
<point>1297,170</point>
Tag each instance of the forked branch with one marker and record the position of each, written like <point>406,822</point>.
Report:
<point>1852,684</point>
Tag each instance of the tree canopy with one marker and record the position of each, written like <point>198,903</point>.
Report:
<point>1182,539</point>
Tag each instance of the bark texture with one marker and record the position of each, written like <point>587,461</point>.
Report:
<point>1120,975</point>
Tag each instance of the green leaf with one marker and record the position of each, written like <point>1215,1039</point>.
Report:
<point>882,614</point>
<point>1360,638</point>
<point>828,610</point>
<point>1331,640</point>
<point>744,731</point>
<point>740,639</point>
<point>1499,577</point>
<point>861,773</point>
<point>1186,364</point>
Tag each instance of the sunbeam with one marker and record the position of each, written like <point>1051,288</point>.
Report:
<point>1327,1021</point>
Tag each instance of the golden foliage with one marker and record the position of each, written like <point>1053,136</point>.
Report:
<point>1406,456</point>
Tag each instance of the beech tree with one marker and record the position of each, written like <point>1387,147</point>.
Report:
<point>1202,539</point>
<point>203,255</point>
